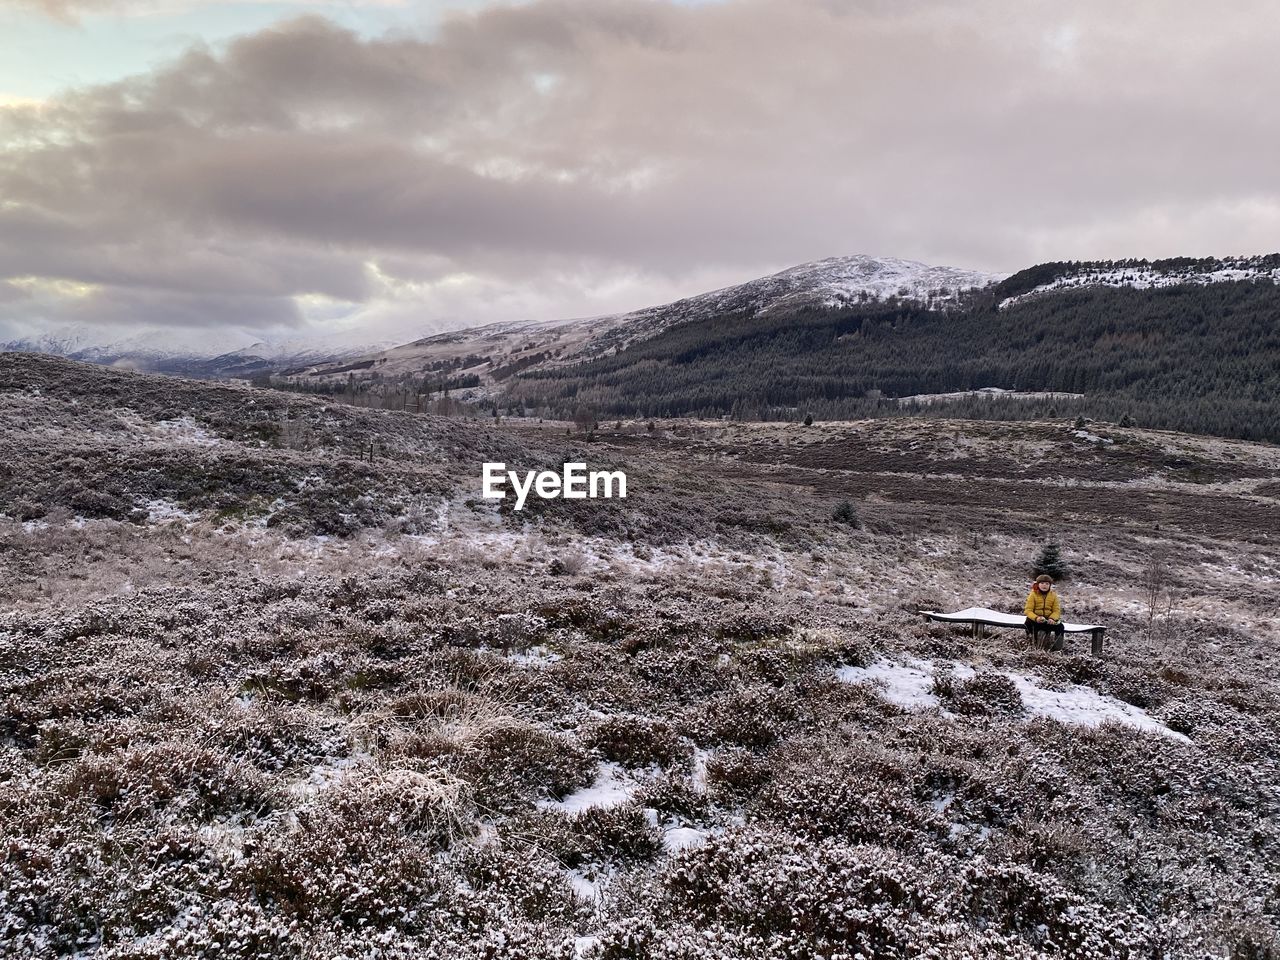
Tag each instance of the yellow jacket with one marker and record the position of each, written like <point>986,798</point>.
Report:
<point>1043,605</point>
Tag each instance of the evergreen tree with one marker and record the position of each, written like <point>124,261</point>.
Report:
<point>1050,561</point>
<point>846,513</point>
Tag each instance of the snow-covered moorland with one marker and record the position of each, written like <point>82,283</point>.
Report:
<point>263,698</point>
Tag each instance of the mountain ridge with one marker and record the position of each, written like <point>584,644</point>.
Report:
<point>487,352</point>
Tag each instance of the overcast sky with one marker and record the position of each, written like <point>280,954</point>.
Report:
<point>268,170</point>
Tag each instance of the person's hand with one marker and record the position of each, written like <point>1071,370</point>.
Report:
<point>1040,620</point>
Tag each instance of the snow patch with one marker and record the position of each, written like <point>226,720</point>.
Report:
<point>909,684</point>
<point>986,393</point>
<point>612,787</point>
<point>675,839</point>
<point>1092,437</point>
<point>324,776</point>
<point>1085,707</point>
<point>536,656</point>
<point>183,430</point>
<point>1146,277</point>
<point>160,511</point>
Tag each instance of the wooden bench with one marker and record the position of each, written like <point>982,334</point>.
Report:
<point>979,617</point>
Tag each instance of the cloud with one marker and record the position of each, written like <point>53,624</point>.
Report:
<point>67,11</point>
<point>568,157</point>
<point>72,12</point>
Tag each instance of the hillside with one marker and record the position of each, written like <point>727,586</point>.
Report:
<point>1136,274</point>
<point>866,338</point>
<point>263,693</point>
<point>1192,357</point>
<point>493,353</point>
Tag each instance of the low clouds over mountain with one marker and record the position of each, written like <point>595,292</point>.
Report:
<point>566,157</point>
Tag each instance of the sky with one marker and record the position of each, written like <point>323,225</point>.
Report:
<point>211,174</point>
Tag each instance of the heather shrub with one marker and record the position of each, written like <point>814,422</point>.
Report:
<point>637,741</point>
<point>510,766</point>
<point>674,795</point>
<point>514,880</point>
<point>826,798</point>
<point>805,900</point>
<point>984,693</point>
<point>734,773</point>
<point>751,717</point>
<point>193,780</point>
<point>593,835</point>
<point>1017,900</point>
<point>363,853</point>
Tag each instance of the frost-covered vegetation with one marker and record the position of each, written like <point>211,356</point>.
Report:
<point>704,723</point>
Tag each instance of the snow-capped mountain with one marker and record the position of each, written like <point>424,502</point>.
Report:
<point>492,350</point>
<point>837,281</point>
<point>834,282</point>
<point>231,353</point>
<point>1136,274</point>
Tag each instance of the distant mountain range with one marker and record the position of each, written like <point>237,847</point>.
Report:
<point>225,356</point>
<point>838,280</point>
<point>826,336</point>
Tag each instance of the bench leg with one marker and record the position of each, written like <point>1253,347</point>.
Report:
<point>1095,637</point>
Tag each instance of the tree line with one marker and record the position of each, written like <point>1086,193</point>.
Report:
<point>1199,358</point>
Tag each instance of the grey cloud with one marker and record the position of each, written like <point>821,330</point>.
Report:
<point>652,145</point>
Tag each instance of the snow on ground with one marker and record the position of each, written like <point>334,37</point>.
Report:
<point>675,839</point>
<point>1084,706</point>
<point>225,838</point>
<point>1091,437</point>
<point>458,530</point>
<point>161,511</point>
<point>587,883</point>
<point>909,683</point>
<point>1145,278</point>
<point>613,786</point>
<point>699,776</point>
<point>988,393</point>
<point>181,430</point>
<point>323,776</point>
<point>536,656</point>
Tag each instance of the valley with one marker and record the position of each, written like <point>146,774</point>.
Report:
<point>263,690</point>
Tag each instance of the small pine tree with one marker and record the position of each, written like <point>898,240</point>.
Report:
<point>1080,423</point>
<point>846,513</point>
<point>1126,421</point>
<point>808,419</point>
<point>1050,561</point>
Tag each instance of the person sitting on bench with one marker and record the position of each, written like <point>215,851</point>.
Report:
<point>1044,611</point>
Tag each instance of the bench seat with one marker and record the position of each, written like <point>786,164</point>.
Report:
<point>979,617</point>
